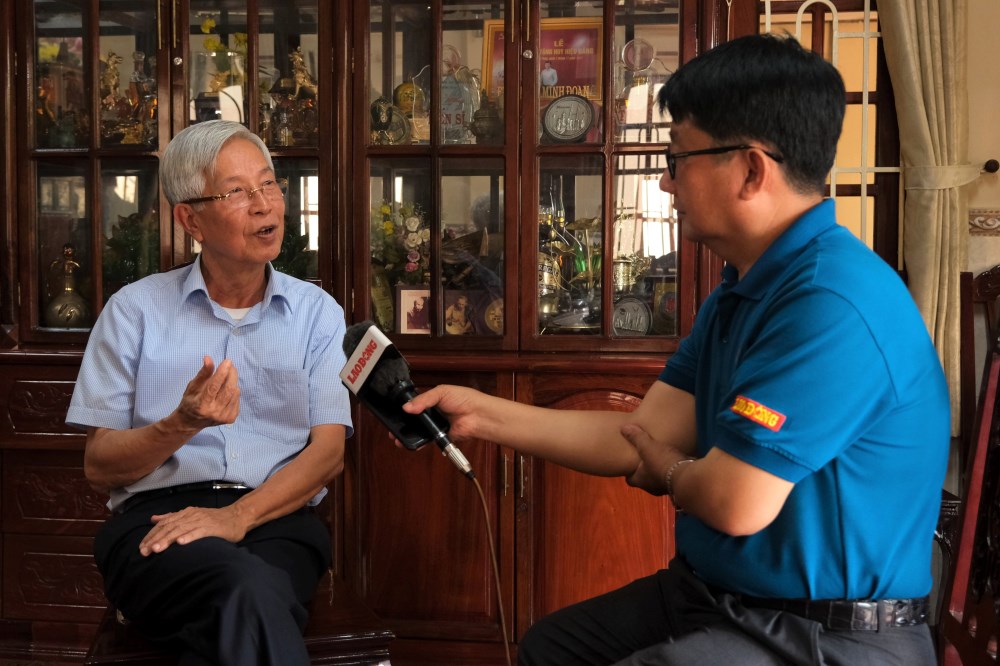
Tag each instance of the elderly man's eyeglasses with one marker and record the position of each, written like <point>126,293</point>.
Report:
<point>673,157</point>
<point>240,197</point>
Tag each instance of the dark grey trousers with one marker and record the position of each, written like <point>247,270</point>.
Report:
<point>212,601</point>
<point>671,618</point>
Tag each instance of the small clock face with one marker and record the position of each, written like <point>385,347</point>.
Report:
<point>631,317</point>
<point>568,118</point>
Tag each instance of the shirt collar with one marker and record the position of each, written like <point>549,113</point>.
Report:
<point>777,256</point>
<point>276,287</point>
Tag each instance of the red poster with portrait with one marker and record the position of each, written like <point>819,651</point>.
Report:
<point>568,54</point>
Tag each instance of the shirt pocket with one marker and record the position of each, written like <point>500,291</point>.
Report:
<point>280,403</point>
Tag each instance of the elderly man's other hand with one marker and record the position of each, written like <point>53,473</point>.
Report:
<point>190,524</point>
<point>213,397</point>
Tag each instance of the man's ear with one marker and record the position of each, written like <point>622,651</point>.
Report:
<point>184,216</point>
<point>760,169</point>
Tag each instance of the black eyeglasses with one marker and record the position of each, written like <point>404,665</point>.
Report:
<point>673,157</point>
<point>240,197</point>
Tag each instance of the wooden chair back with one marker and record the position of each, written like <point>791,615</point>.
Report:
<point>970,620</point>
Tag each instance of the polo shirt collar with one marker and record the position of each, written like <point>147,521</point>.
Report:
<point>195,281</point>
<point>781,252</point>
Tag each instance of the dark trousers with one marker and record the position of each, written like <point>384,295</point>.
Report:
<point>212,601</point>
<point>671,618</point>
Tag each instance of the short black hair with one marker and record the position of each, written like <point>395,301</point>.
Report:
<point>766,89</point>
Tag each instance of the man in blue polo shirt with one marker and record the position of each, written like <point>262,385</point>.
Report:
<point>803,426</point>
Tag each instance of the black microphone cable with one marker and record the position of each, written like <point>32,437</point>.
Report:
<point>496,568</point>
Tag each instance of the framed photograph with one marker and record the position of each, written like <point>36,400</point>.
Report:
<point>460,312</point>
<point>568,54</point>
<point>413,309</point>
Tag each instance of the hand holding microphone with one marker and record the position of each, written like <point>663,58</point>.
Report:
<point>380,377</point>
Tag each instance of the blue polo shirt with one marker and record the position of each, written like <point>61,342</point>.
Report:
<point>817,367</point>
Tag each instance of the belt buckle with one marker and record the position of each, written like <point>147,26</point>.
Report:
<point>866,616</point>
<point>216,485</point>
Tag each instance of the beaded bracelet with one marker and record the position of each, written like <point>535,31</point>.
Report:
<point>669,479</point>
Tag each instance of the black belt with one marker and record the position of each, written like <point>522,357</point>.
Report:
<point>848,615</point>
<point>147,495</point>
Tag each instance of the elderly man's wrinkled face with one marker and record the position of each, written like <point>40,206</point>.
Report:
<point>245,229</point>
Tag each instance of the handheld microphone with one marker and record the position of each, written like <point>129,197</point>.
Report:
<point>380,377</point>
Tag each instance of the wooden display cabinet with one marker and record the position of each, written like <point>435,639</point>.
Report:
<point>535,239</point>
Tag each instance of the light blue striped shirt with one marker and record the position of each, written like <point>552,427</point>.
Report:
<point>149,343</point>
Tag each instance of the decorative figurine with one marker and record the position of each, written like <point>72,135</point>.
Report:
<point>111,79</point>
<point>486,125</point>
<point>303,79</point>
<point>381,113</point>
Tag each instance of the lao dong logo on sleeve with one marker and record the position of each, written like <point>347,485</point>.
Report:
<point>758,413</point>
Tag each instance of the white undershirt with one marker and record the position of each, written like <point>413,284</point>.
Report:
<point>237,313</point>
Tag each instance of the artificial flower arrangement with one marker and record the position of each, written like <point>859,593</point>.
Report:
<point>401,242</point>
<point>221,52</point>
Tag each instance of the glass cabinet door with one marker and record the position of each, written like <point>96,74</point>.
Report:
<point>607,243</point>
<point>94,124</point>
<point>99,78</point>
<point>436,166</point>
<point>454,103</point>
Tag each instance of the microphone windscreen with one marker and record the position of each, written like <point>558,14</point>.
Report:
<point>353,335</point>
<point>389,373</point>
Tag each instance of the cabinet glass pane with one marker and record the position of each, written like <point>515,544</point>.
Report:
<point>462,38</point>
<point>62,114</point>
<point>288,64</point>
<point>65,287</point>
<point>569,63</point>
<point>399,73</point>
<point>570,232</point>
<point>127,46</point>
<point>300,245</point>
<point>217,62</point>
<point>401,238</point>
<point>130,223</point>
<point>472,250</point>
<point>644,249</point>
<point>646,51</point>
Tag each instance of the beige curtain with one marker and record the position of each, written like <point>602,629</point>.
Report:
<point>925,49</point>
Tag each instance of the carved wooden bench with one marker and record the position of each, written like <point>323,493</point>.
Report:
<point>341,631</point>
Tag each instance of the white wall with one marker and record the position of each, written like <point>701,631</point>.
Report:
<point>984,123</point>
<point>984,139</point>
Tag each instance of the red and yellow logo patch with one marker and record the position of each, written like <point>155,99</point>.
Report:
<point>758,413</point>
